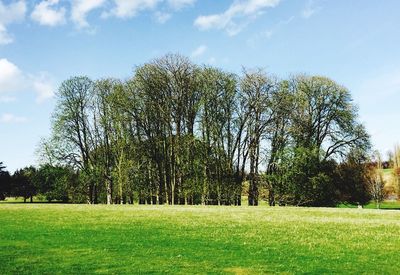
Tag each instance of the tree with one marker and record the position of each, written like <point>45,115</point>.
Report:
<point>73,135</point>
<point>55,182</point>
<point>179,133</point>
<point>5,182</point>
<point>220,138</point>
<point>319,128</point>
<point>352,179</point>
<point>25,183</point>
<point>325,118</point>
<point>301,179</point>
<point>278,134</point>
<point>103,155</point>
<point>376,183</point>
<point>395,159</point>
<point>257,92</point>
<point>168,106</point>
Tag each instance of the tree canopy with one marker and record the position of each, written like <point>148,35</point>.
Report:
<point>180,133</point>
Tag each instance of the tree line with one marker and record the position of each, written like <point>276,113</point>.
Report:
<point>49,183</point>
<point>180,133</point>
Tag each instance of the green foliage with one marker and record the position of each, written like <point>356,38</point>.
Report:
<point>302,179</point>
<point>55,183</point>
<point>25,183</point>
<point>5,182</point>
<point>52,183</point>
<point>352,179</point>
<point>179,133</point>
<point>325,118</point>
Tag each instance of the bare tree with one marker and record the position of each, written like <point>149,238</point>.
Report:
<point>375,180</point>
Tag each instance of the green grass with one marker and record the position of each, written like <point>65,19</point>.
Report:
<point>51,238</point>
<point>388,171</point>
<point>386,205</point>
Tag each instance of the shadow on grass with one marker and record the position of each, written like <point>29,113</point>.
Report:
<point>34,202</point>
<point>388,205</point>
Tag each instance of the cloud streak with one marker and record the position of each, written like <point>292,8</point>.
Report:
<point>199,51</point>
<point>54,13</point>
<point>13,80</point>
<point>11,13</point>
<point>254,40</point>
<point>81,8</point>
<point>12,119</point>
<point>310,9</point>
<point>236,17</point>
<point>43,86</point>
<point>162,17</point>
<point>180,4</point>
<point>127,9</point>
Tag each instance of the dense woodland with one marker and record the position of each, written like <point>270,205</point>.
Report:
<point>180,133</point>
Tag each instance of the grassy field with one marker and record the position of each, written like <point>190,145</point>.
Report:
<point>51,238</point>
<point>385,205</point>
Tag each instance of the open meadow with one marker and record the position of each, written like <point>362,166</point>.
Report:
<point>53,238</point>
<point>199,137</point>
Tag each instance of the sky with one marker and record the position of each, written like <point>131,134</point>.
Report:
<point>42,43</point>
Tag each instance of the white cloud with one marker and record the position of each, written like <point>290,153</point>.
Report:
<point>310,9</point>
<point>130,8</point>
<point>254,40</point>
<point>11,13</point>
<point>54,12</point>
<point>199,51</point>
<point>11,77</point>
<point>162,17</point>
<point>175,5</point>
<point>45,13</point>
<point>80,9</point>
<point>13,80</point>
<point>43,86</point>
<point>5,37</point>
<point>180,4</point>
<point>236,17</point>
<point>10,118</point>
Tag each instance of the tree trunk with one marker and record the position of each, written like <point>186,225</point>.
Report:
<point>95,198</point>
<point>161,185</point>
<point>109,191</point>
<point>271,197</point>
<point>90,195</point>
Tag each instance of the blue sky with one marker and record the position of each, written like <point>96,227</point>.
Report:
<point>42,43</point>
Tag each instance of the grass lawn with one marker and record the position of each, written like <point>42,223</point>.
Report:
<point>385,205</point>
<point>387,171</point>
<point>51,238</point>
